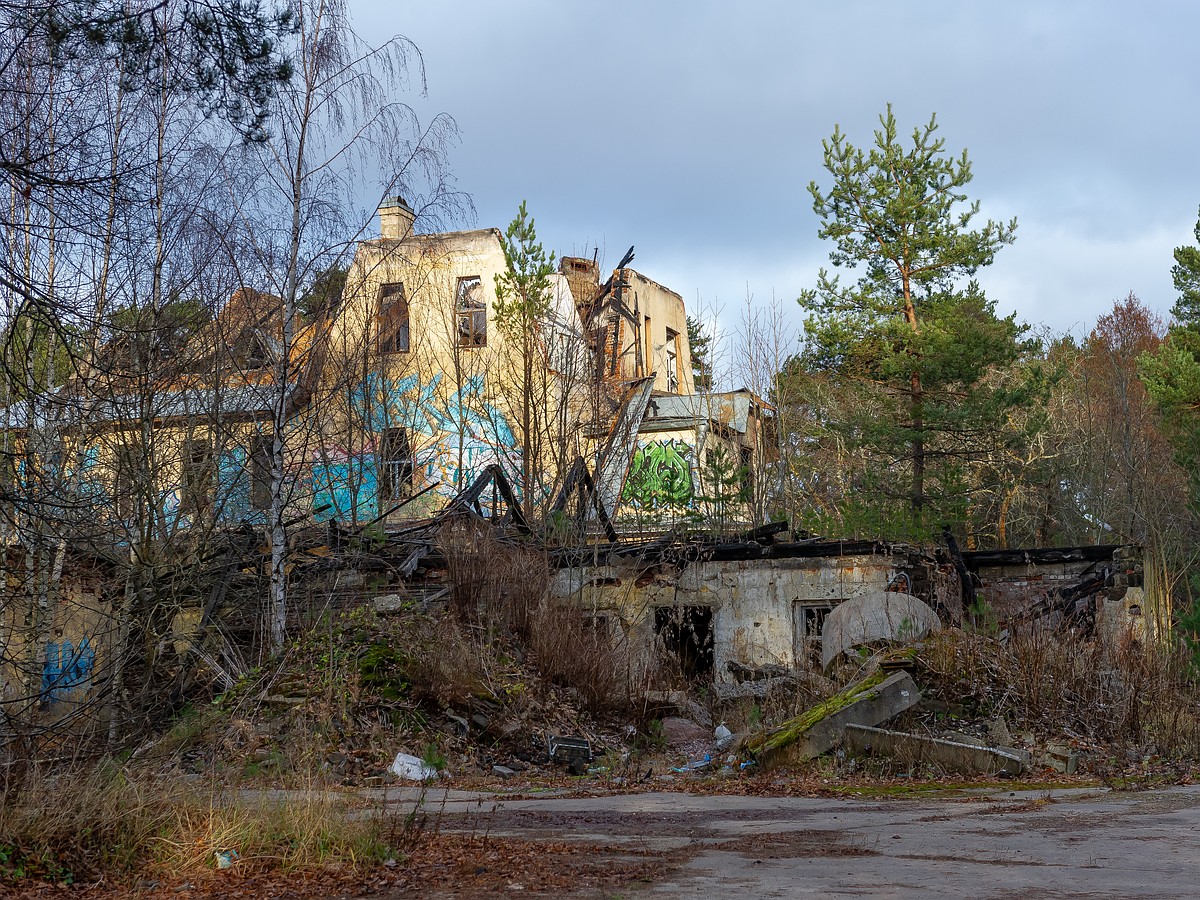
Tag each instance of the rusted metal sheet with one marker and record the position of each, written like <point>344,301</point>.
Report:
<point>613,464</point>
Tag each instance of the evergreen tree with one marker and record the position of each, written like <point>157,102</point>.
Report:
<point>700,343</point>
<point>1171,373</point>
<point>523,301</point>
<point>913,330</point>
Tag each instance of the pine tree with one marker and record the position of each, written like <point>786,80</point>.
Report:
<point>914,330</point>
<point>523,302</point>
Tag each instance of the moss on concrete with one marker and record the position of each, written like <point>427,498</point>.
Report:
<point>793,729</point>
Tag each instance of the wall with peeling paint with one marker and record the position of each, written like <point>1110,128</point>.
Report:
<point>752,600</point>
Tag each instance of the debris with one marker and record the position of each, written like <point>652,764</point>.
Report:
<point>724,737</point>
<point>872,701</point>
<point>874,616</point>
<point>743,673</point>
<point>678,732</point>
<point>410,768</point>
<point>963,758</point>
<point>1060,758</point>
<point>225,858</point>
<point>503,771</point>
<point>576,752</point>
<point>694,765</point>
<point>389,603</point>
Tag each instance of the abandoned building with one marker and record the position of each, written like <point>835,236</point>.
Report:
<point>405,408</point>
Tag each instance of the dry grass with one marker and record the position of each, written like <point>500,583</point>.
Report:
<point>108,822</point>
<point>504,590</point>
<point>1051,683</point>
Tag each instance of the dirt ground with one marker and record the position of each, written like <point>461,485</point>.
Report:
<point>1087,842</point>
<point>964,842</point>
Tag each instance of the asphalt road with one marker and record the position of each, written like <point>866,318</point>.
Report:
<point>1080,843</point>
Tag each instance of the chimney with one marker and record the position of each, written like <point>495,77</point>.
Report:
<point>395,218</point>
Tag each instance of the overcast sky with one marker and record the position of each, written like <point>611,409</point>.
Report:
<point>692,130</point>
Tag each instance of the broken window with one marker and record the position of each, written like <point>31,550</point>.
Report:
<point>808,621</point>
<point>259,465</point>
<point>672,361</point>
<point>649,348</point>
<point>255,354</point>
<point>395,467</point>
<point>393,319</point>
<point>198,471</point>
<point>686,634</point>
<point>472,312</point>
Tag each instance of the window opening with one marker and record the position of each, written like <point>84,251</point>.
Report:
<point>472,313</point>
<point>686,635</point>
<point>649,348</point>
<point>808,621</point>
<point>260,472</point>
<point>197,478</point>
<point>746,474</point>
<point>393,319</point>
<point>672,361</point>
<point>127,481</point>
<point>395,466</point>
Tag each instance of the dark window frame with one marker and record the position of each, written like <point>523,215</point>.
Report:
<point>470,313</point>
<point>258,466</point>
<point>394,325</point>
<point>395,467</point>
<point>199,472</point>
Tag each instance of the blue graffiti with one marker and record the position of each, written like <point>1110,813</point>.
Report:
<point>384,401</point>
<point>452,441</point>
<point>346,490</point>
<point>67,669</point>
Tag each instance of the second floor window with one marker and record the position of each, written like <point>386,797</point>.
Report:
<point>472,312</point>
<point>672,361</point>
<point>393,319</point>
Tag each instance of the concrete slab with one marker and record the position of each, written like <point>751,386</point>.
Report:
<point>951,756</point>
<point>822,728</point>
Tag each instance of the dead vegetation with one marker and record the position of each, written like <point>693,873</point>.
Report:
<point>1113,701</point>
<point>88,823</point>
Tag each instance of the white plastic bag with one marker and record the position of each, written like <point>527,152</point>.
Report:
<point>410,768</point>
<point>724,737</point>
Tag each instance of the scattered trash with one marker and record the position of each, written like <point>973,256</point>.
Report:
<point>747,764</point>
<point>225,858</point>
<point>576,752</point>
<point>410,768</point>
<point>695,764</point>
<point>724,737</point>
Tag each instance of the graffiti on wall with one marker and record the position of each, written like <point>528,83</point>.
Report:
<point>453,437</point>
<point>67,668</point>
<point>660,476</point>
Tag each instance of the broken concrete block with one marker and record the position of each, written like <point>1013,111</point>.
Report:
<point>389,603</point>
<point>1060,758</point>
<point>875,616</point>
<point>965,759</point>
<point>503,771</point>
<point>877,699</point>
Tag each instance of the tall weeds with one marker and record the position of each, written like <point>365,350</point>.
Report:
<point>504,589</point>
<point>1053,683</point>
<point>89,823</point>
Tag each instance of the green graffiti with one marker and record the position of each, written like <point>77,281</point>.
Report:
<point>660,475</point>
